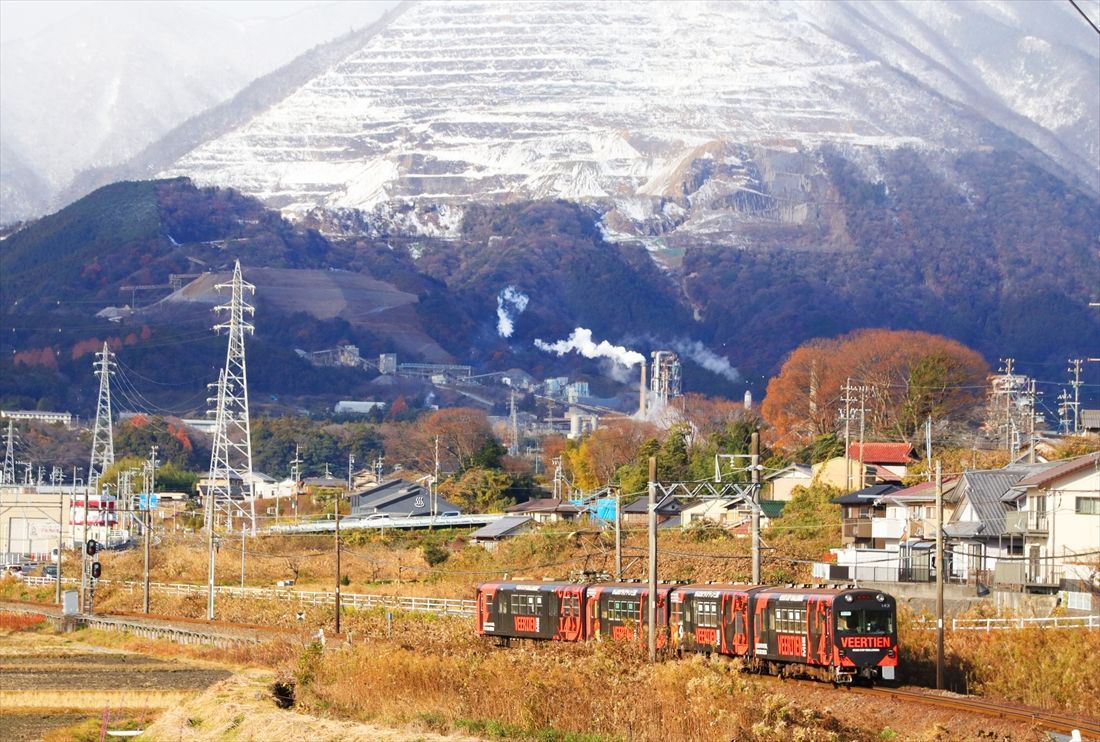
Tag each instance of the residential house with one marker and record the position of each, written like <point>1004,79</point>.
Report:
<point>1060,522</point>
<point>400,498</point>
<point>507,527</point>
<point>264,486</point>
<point>883,463</point>
<point>1090,422</point>
<point>858,512</point>
<point>546,510</point>
<point>733,513</point>
<point>979,529</point>
<point>911,512</point>
<point>637,512</point>
<point>780,485</point>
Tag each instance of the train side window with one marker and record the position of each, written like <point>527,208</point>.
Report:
<point>738,624</point>
<point>706,614</point>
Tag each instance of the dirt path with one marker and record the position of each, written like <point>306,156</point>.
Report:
<point>241,708</point>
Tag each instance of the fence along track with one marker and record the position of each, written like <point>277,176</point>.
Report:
<point>459,607</point>
<point>464,608</point>
<point>147,629</point>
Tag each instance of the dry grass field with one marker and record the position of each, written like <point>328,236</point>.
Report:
<point>434,675</point>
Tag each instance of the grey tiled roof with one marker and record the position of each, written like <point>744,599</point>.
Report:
<point>502,528</point>
<point>987,490</point>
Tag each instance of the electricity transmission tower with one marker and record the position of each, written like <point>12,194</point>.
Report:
<point>231,457</point>
<point>8,476</point>
<point>103,444</point>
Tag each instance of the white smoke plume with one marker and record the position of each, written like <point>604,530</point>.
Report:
<point>706,358</point>
<point>581,342</point>
<point>510,304</point>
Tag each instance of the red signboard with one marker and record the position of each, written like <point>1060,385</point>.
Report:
<point>865,642</point>
<point>789,644</point>
<point>527,623</point>
<point>706,636</point>
<point>621,632</point>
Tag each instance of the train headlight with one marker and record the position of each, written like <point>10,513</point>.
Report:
<point>880,597</point>
<point>848,598</point>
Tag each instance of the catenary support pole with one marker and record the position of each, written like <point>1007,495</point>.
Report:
<point>754,461</point>
<point>210,554</point>
<point>652,607</point>
<point>60,544</point>
<point>940,567</point>
<point>145,547</point>
<point>618,534</point>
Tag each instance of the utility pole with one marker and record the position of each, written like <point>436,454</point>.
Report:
<point>61,539</point>
<point>1075,369</point>
<point>754,462</point>
<point>210,552</point>
<point>435,479</point>
<point>1031,422</point>
<point>152,471</point>
<point>862,430</point>
<point>928,446</point>
<point>847,435</point>
<point>940,566</point>
<point>336,508</point>
<point>244,534</point>
<point>296,472</point>
<point>618,534</point>
<point>513,450</point>
<point>652,612</point>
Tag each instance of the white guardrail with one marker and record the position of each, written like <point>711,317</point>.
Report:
<point>994,624</point>
<point>381,522</point>
<point>439,606</point>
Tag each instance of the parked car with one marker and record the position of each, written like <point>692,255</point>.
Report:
<point>15,570</point>
<point>50,570</point>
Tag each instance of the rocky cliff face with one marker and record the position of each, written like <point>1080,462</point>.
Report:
<point>685,122</point>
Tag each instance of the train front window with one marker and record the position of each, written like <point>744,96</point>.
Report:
<point>865,621</point>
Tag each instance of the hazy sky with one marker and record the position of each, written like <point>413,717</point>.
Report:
<point>22,18</point>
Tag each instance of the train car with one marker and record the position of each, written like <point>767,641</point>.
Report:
<point>531,610</point>
<point>712,619</point>
<point>620,611</point>
<point>833,634</point>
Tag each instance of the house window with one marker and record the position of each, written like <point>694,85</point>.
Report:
<point>1088,505</point>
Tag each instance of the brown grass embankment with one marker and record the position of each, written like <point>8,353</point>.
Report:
<point>1042,667</point>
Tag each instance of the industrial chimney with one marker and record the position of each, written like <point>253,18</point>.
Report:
<point>748,399</point>
<point>642,391</point>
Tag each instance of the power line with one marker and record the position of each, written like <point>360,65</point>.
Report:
<point>1087,19</point>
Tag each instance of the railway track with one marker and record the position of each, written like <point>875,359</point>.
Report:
<point>1053,721</point>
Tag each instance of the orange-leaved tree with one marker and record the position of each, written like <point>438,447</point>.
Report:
<point>907,376</point>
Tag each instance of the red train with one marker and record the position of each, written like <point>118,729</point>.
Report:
<point>833,634</point>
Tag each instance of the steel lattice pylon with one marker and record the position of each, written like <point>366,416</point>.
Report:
<point>103,442</point>
<point>231,457</point>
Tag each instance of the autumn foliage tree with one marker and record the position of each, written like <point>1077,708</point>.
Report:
<point>909,376</point>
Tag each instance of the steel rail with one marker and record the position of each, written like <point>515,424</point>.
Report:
<point>1051,720</point>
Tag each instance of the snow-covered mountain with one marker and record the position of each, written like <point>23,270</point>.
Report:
<point>95,88</point>
<point>679,118</point>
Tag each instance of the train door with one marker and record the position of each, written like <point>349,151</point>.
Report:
<point>570,616</point>
<point>486,623</point>
<point>819,650</point>
<point>735,624</point>
<point>763,631</point>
